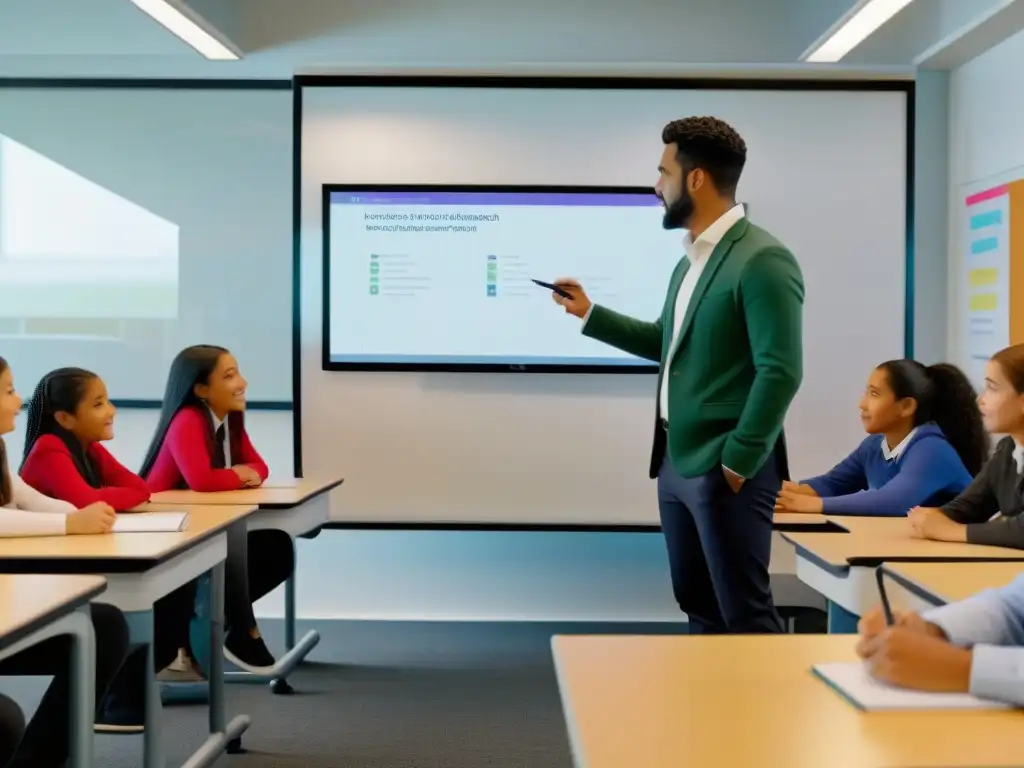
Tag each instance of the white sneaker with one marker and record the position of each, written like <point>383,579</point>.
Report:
<point>182,670</point>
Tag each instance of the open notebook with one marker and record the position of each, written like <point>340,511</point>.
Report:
<point>150,522</point>
<point>852,681</point>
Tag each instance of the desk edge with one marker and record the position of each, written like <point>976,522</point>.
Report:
<point>48,618</point>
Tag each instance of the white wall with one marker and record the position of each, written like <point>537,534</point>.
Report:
<point>986,142</point>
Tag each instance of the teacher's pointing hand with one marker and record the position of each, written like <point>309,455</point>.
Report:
<point>579,304</point>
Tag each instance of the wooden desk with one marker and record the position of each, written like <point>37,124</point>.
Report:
<point>301,510</point>
<point>35,608</point>
<point>140,568</point>
<point>842,568</point>
<point>921,586</point>
<point>664,702</point>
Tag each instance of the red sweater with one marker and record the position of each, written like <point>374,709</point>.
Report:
<point>51,470</point>
<point>185,459</point>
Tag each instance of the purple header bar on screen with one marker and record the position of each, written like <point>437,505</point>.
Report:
<point>492,198</point>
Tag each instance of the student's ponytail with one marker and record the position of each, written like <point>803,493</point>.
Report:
<point>944,396</point>
<point>954,407</point>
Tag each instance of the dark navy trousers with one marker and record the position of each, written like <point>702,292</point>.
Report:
<point>719,544</point>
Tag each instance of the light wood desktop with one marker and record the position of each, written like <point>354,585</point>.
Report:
<point>35,608</point>
<point>842,567</point>
<point>31,601</point>
<point>666,701</point>
<point>920,586</point>
<point>303,491</point>
<point>113,551</point>
<point>140,569</point>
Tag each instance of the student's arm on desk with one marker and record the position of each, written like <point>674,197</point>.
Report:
<point>250,457</point>
<point>992,624</point>
<point>68,484</point>
<point>977,503</point>
<point>189,446</point>
<point>846,477</point>
<point>922,475</point>
<point>638,337</point>
<point>32,513</point>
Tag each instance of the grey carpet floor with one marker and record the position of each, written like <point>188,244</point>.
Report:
<point>390,695</point>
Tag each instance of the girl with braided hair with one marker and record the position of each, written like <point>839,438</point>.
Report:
<point>69,417</point>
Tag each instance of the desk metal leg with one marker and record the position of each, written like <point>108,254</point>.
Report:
<point>83,689</point>
<point>289,610</point>
<point>216,671</point>
<point>840,620</point>
<point>140,624</point>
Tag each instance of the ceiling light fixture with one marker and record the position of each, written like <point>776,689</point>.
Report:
<point>856,25</point>
<point>187,25</point>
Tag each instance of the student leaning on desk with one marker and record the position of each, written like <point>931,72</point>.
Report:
<point>925,442</point>
<point>201,444</point>
<point>989,511</point>
<point>975,646</point>
<point>25,512</point>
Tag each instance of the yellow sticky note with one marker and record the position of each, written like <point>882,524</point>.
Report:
<point>980,277</point>
<point>983,302</point>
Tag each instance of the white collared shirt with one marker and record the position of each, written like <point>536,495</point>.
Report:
<point>227,441</point>
<point>1018,456</point>
<point>891,454</point>
<point>697,251</point>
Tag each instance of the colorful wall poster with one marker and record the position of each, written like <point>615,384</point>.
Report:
<point>993,272</point>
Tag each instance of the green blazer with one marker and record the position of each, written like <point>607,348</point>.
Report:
<point>738,357</point>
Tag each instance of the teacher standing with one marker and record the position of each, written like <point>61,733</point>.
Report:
<point>730,351</point>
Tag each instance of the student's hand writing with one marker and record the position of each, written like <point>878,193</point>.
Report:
<point>796,501</point>
<point>904,657</point>
<point>95,518</point>
<point>931,523</point>
<point>248,476</point>
<point>579,304</point>
<point>872,624</point>
<point>789,485</point>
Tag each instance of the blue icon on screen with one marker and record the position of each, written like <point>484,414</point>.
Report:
<point>492,289</point>
<point>492,258</point>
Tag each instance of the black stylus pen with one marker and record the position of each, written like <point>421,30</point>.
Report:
<point>886,608</point>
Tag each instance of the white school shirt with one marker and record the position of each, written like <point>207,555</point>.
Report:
<point>1018,456</point>
<point>31,513</point>
<point>698,252</point>
<point>891,454</point>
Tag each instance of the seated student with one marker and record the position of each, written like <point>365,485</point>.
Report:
<point>25,512</point>
<point>201,444</point>
<point>69,416</point>
<point>926,441</point>
<point>975,646</point>
<point>999,488</point>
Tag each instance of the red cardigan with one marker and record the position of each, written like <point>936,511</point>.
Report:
<point>185,461</point>
<point>51,470</point>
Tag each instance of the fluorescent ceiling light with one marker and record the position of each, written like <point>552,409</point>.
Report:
<point>185,26</point>
<point>853,29</point>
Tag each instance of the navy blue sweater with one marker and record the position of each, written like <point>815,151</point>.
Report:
<point>927,473</point>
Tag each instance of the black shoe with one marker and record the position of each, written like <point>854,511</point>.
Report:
<point>248,652</point>
<point>120,718</point>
